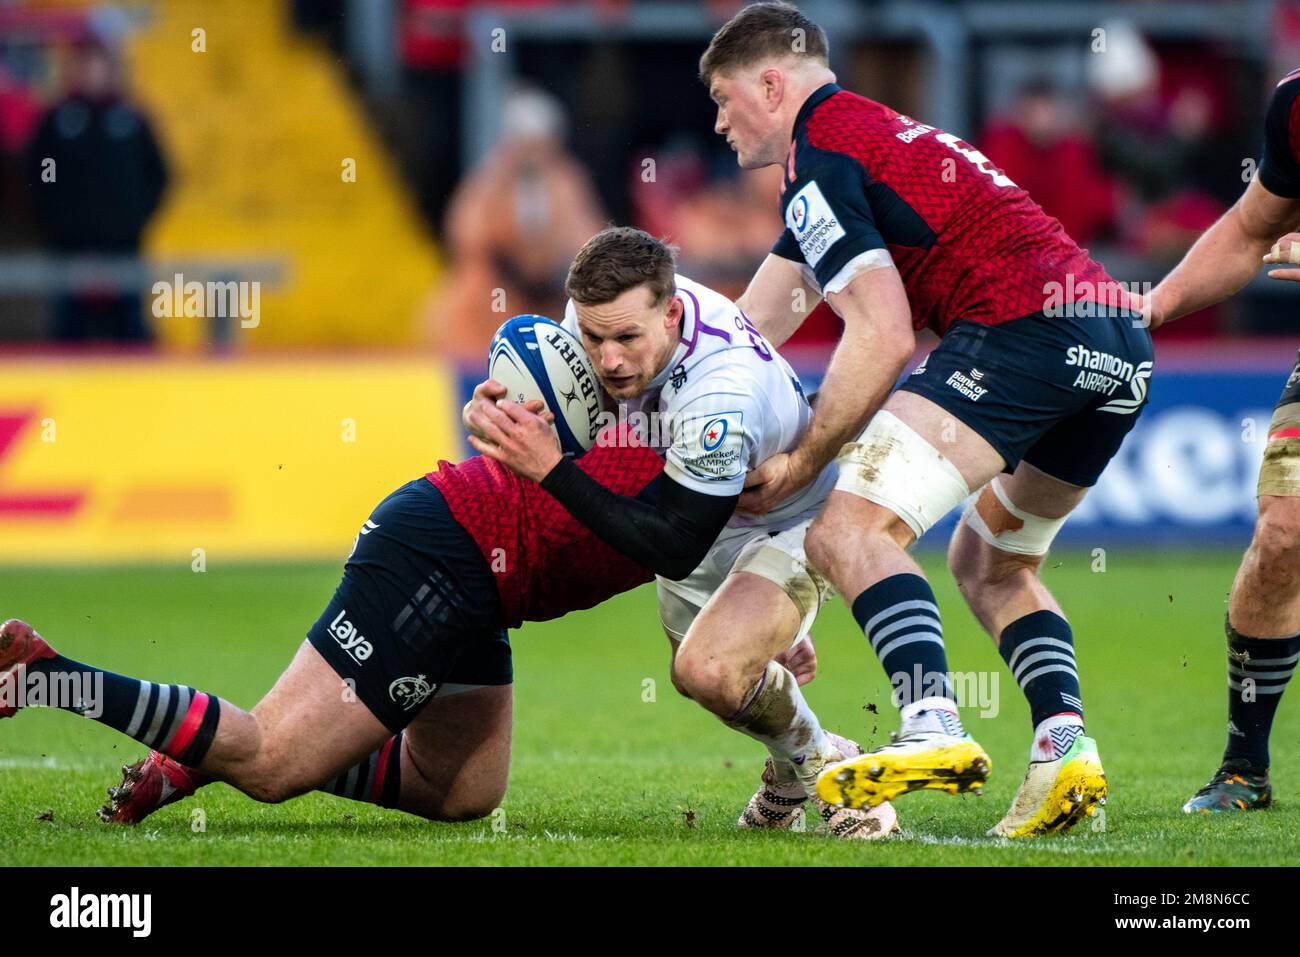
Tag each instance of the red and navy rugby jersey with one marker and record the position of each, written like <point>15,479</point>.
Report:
<point>1279,168</point>
<point>546,563</point>
<point>968,242</point>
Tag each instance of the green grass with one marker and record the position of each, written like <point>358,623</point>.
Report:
<point>602,777</point>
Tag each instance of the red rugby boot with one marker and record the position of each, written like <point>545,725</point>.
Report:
<point>148,785</point>
<point>19,647</point>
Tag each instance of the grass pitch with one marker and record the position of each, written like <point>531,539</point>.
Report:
<point>610,765</point>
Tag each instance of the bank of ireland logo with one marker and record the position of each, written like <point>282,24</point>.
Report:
<point>713,434</point>
<point>409,692</point>
<point>799,213</point>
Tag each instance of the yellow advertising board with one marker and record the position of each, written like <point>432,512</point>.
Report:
<point>152,459</point>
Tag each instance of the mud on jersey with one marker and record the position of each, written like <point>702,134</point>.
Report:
<point>865,184</point>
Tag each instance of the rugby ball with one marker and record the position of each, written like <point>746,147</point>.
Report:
<point>535,358</point>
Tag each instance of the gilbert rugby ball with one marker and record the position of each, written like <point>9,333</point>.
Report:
<point>535,358</point>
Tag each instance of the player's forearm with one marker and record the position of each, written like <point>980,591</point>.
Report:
<point>1220,263</point>
<point>669,540</point>
<point>775,325</point>
<point>876,344</point>
<point>858,380</point>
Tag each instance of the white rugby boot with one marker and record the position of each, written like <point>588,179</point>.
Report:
<point>779,803</point>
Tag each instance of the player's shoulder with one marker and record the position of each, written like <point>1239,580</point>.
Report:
<point>718,356</point>
<point>1280,168</point>
<point>850,141</point>
<point>708,303</point>
<point>845,123</point>
<point>1290,82</point>
<point>1282,101</point>
<point>1285,93</point>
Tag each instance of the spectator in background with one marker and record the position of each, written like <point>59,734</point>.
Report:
<point>1151,145</point>
<point>97,175</point>
<point>1042,146</point>
<point>513,227</point>
<point>722,225</point>
<point>20,111</point>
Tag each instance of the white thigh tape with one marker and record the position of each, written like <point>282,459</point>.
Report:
<point>893,466</point>
<point>1012,529</point>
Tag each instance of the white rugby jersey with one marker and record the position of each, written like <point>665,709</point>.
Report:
<point>724,403</point>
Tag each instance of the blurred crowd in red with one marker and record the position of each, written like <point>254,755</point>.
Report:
<point>1135,159</point>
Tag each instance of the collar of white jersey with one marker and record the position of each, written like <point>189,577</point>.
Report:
<point>690,335</point>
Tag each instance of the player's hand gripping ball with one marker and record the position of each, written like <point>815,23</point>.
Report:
<point>537,359</point>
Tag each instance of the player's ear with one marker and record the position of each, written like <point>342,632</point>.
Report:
<point>673,317</point>
<point>773,81</point>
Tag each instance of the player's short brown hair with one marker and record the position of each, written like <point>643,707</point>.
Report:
<point>760,31</point>
<point>618,259</point>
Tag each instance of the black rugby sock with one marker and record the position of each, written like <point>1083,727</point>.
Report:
<point>177,720</point>
<point>1258,672</point>
<point>901,620</point>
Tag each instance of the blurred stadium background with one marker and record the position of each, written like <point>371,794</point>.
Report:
<point>399,176</point>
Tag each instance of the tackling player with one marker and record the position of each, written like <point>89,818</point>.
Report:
<point>1035,383</point>
<point>715,400</point>
<point>401,694</point>
<point>1263,620</point>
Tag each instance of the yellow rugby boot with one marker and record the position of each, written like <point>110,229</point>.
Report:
<point>1056,795</point>
<point>918,760</point>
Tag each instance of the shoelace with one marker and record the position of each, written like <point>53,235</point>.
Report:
<point>1229,776</point>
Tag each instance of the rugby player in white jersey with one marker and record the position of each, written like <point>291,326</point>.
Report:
<point>734,591</point>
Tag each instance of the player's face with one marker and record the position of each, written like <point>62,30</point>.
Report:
<point>746,119</point>
<point>630,339</point>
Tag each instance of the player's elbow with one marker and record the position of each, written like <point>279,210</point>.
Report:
<point>892,342</point>
<point>677,567</point>
<point>900,349</point>
<point>686,554</point>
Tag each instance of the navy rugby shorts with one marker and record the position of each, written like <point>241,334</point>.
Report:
<point>1057,392</point>
<point>417,612</point>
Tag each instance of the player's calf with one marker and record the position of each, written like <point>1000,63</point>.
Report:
<point>894,484</point>
<point>994,556</point>
<point>455,759</point>
<point>1265,597</point>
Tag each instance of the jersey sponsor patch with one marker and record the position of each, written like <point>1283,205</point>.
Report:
<point>711,445</point>
<point>812,223</point>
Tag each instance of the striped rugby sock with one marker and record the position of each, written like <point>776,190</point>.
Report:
<point>1039,650</point>
<point>174,719</point>
<point>376,780</point>
<point>1258,672</point>
<point>900,618</point>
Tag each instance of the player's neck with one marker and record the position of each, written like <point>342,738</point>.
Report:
<point>801,86</point>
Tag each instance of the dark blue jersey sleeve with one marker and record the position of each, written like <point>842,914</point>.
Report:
<point>1279,169</point>
<point>828,220</point>
<point>786,247</point>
